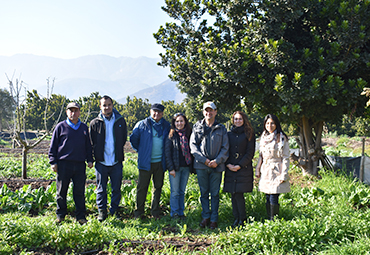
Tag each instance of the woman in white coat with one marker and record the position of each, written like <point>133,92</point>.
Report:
<point>273,164</point>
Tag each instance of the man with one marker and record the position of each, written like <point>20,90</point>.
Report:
<point>209,145</point>
<point>148,139</point>
<point>108,133</point>
<point>70,147</point>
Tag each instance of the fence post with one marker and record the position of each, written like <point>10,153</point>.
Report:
<point>362,166</point>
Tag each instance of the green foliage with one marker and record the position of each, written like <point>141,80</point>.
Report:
<point>6,108</point>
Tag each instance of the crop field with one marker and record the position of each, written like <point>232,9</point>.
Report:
<point>327,215</point>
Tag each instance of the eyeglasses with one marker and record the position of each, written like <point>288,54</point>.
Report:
<point>178,114</point>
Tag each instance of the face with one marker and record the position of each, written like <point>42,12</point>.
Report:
<point>106,106</point>
<point>156,115</point>
<point>270,125</point>
<point>180,122</point>
<point>73,114</point>
<point>238,120</point>
<point>209,114</point>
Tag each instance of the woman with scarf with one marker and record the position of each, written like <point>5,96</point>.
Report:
<point>239,170</point>
<point>273,164</point>
<point>179,162</point>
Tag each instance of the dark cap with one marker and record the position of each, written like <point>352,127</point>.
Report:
<point>157,107</point>
<point>73,105</point>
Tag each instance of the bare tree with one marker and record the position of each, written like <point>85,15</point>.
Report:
<point>19,123</point>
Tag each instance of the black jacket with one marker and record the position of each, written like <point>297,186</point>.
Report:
<point>172,150</point>
<point>97,135</point>
<point>241,152</point>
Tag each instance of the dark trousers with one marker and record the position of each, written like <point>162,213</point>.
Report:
<point>102,173</point>
<point>67,171</point>
<point>238,203</point>
<point>157,174</point>
<point>272,199</point>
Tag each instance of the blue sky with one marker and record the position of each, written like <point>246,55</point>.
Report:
<point>73,28</point>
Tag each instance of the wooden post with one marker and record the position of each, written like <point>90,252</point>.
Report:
<point>362,166</point>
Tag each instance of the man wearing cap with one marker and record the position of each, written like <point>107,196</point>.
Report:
<point>70,148</point>
<point>148,139</point>
<point>108,133</point>
<point>209,145</point>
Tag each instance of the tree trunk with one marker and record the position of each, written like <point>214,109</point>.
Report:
<point>310,147</point>
<point>24,163</point>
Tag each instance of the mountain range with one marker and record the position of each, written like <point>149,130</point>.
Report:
<point>74,78</point>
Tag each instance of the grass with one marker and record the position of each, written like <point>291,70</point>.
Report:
<point>319,216</point>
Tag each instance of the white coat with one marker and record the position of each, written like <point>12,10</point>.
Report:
<point>273,166</point>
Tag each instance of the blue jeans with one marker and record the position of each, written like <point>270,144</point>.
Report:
<point>178,186</point>
<point>76,171</point>
<point>209,182</point>
<point>102,173</point>
<point>272,199</point>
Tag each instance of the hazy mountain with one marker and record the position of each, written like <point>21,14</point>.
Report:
<point>164,91</point>
<point>77,77</point>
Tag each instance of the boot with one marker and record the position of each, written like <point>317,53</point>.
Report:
<point>235,224</point>
<point>274,210</point>
<point>268,210</point>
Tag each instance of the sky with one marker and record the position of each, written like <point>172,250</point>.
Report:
<point>73,28</point>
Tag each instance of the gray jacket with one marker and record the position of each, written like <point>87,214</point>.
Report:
<point>217,142</point>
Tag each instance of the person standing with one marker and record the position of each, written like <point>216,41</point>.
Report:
<point>209,145</point>
<point>239,170</point>
<point>108,133</point>
<point>148,139</point>
<point>70,148</point>
<point>179,162</point>
<point>273,164</point>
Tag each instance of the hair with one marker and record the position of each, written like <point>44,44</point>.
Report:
<point>173,127</point>
<point>277,124</point>
<point>248,129</point>
<point>106,98</point>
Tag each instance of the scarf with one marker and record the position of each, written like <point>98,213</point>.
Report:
<point>157,126</point>
<point>184,143</point>
<point>267,138</point>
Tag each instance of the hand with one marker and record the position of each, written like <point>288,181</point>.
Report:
<point>258,175</point>
<point>212,164</point>
<point>89,164</point>
<point>173,173</point>
<point>282,181</point>
<point>54,168</point>
<point>207,162</point>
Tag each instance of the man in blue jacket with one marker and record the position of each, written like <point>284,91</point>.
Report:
<point>108,134</point>
<point>148,139</point>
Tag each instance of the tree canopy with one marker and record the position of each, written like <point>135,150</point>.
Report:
<point>306,61</point>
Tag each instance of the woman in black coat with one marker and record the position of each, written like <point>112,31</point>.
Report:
<point>239,170</point>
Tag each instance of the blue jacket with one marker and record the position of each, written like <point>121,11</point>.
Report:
<point>141,140</point>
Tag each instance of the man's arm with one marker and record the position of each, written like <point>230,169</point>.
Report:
<point>224,151</point>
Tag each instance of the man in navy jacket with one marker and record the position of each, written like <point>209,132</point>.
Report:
<point>148,139</point>
<point>70,148</point>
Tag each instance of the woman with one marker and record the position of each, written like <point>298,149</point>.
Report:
<point>239,171</point>
<point>273,164</point>
<point>179,162</point>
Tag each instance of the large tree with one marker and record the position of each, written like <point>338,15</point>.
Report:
<point>305,60</point>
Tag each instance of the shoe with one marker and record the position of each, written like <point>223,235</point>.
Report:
<point>213,225</point>
<point>157,217</point>
<point>241,223</point>
<point>140,217</point>
<point>82,221</point>
<point>175,216</point>
<point>59,219</point>
<point>235,224</point>
<point>182,217</point>
<point>204,223</point>
<point>102,215</point>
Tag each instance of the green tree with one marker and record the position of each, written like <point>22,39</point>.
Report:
<point>6,108</point>
<point>135,110</point>
<point>305,61</point>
